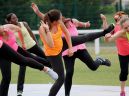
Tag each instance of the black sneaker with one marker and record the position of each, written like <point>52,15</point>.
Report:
<point>103,61</point>
<point>109,29</point>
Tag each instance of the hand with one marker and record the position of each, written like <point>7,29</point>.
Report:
<point>107,37</point>
<point>34,7</point>
<point>23,46</point>
<point>70,52</point>
<point>103,17</point>
<point>45,26</point>
<point>87,24</point>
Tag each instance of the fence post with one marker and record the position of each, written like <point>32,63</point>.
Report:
<point>97,46</point>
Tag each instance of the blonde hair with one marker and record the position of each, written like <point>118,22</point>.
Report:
<point>123,20</point>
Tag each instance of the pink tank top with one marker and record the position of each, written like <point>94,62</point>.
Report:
<point>121,43</point>
<point>11,39</point>
<point>73,32</point>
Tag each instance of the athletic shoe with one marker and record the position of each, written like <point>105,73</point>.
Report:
<point>122,94</point>
<point>19,93</point>
<point>103,61</point>
<point>109,29</point>
<point>52,74</point>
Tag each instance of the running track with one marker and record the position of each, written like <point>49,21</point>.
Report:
<point>77,90</point>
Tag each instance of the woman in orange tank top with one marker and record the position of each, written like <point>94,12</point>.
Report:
<point>51,35</point>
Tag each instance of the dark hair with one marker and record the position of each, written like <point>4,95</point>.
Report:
<point>51,16</point>
<point>65,20</point>
<point>8,17</point>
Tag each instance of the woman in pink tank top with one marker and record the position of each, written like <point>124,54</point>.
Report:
<point>80,52</point>
<point>122,45</point>
<point>8,35</point>
<point>11,52</point>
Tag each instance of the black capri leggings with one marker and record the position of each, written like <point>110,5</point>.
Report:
<point>124,64</point>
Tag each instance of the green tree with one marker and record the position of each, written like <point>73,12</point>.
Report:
<point>13,2</point>
<point>84,10</point>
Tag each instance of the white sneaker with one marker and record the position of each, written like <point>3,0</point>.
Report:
<point>52,74</point>
<point>19,93</point>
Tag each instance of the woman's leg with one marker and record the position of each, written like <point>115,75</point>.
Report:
<point>124,61</point>
<point>76,40</point>
<point>37,51</point>
<point>85,57</point>
<point>21,80</point>
<point>40,53</point>
<point>5,67</point>
<point>57,66</point>
<point>13,56</point>
<point>69,66</point>
<point>37,58</point>
<point>22,70</point>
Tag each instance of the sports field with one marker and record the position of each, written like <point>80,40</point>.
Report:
<point>104,76</point>
<point>83,75</point>
<point>77,90</point>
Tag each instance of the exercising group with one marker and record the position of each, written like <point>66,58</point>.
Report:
<point>60,39</point>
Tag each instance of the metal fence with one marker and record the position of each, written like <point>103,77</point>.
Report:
<point>86,12</point>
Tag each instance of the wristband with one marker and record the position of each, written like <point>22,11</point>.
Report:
<point>85,24</point>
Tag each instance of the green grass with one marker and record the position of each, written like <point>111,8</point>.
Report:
<point>110,18</point>
<point>83,75</point>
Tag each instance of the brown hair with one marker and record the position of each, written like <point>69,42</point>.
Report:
<point>51,16</point>
<point>120,14</point>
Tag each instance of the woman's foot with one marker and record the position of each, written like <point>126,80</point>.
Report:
<point>122,94</point>
<point>103,61</point>
<point>51,73</point>
<point>19,93</point>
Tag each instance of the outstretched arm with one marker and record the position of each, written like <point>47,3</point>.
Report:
<point>81,24</point>
<point>37,11</point>
<point>68,38</point>
<point>15,28</point>
<point>109,37</point>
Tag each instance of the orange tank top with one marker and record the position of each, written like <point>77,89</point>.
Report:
<point>57,39</point>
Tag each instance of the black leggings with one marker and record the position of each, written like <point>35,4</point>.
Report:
<point>57,63</point>
<point>8,55</point>
<point>69,62</point>
<point>76,40</point>
<point>57,66</point>
<point>124,64</point>
<point>36,50</point>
